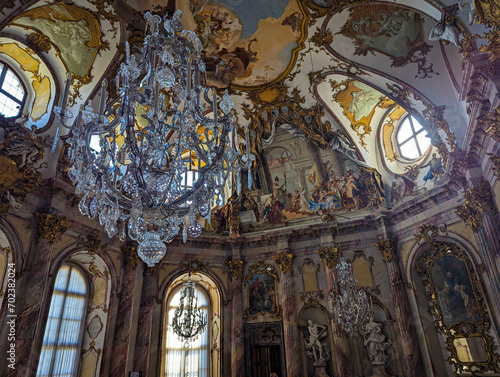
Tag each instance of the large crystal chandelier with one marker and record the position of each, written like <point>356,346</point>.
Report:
<point>348,303</point>
<point>158,175</point>
<point>188,321</point>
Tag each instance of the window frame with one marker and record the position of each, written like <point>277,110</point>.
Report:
<point>413,136</point>
<point>21,103</point>
<point>87,301</point>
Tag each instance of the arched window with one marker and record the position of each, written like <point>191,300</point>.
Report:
<point>193,361</point>
<point>12,92</point>
<point>64,327</point>
<point>411,138</point>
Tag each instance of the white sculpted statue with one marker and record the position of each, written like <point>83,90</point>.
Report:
<point>375,342</point>
<point>473,15</point>
<point>314,345</point>
<point>447,33</point>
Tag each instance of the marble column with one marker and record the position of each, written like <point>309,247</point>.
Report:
<point>142,351</point>
<point>123,321</point>
<point>341,353</point>
<point>237,327</point>
<point>32,290</point>
<point>404,317</point>
<point>291,334</point>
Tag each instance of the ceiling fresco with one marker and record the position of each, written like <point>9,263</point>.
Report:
<point>236,36</point>
<point>72,31</point>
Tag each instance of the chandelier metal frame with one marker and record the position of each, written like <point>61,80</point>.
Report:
<point>161,176</point>
<point>348,303</point>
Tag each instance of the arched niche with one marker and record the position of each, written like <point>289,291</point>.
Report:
<point>215,321</point>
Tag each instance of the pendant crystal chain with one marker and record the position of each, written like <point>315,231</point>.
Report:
<point>347,302</point>
<point>157,175</point>
<point>189,320</point>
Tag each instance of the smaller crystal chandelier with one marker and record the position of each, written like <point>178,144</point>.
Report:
<point>348,303</point>
<point>189,320</point>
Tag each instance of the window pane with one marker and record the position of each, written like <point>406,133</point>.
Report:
<point>12,85</point>
<point>416,126</point>
<point>423,142</point>
<point>59,355</point>
<point>404,131</point>
<point>8,107</point>
<point>409,149</point>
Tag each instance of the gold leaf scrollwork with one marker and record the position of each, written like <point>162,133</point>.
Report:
<point>478,200</point>
<point>329,256</point>
<point>427,233</point>
<point>452,325</point>
<point>496,163</point>
<point>285,261</point>
<point>51,227</point>
<point>492,119</point>
<point>236,268</point>
<point>388,247</point>
<point>39,42</point>
<point>130,256</point>
<point>92,243</point>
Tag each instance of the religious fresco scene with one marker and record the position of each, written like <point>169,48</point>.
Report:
<point>300,188</point>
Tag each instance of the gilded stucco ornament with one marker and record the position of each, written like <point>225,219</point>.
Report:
<point>329,256</point>
<point>332,7</point>
<point>488,12</point>
<point>388,247</point>
<point>285,261</point>
<point>92,243</point>
<point>130,256</point>
<point>236,268</point>
<point>492,120</point>
<point>39,42</point>
<point>194,266</point>
<point>20,154</point>
<point>496,163</point>
<point>429,233</point>
<point>478,200</point>
<point>51,227</point>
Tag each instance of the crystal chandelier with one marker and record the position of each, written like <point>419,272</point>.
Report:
<point>158,175</point>
<point>348,303</point>
<point>189,320</point>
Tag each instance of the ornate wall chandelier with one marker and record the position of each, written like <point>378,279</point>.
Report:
<point>348,303</point>
<point>156,178</point>
<point>188,321</point>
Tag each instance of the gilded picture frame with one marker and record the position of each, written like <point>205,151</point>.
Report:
<point>262,291</point>
<point>458,306</point>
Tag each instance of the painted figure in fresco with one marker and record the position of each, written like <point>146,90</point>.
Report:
<point>375,342</point>
<point>249,204</point>
<point>257,290</point>
<point>448,33</point>
<point>400,188</point>
<point>314,346</point>
<point>435,169</point>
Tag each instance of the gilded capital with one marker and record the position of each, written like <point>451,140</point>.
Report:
<point>478,200</point>
<point>130,256</point>
<point>329,256</point>
<point>51,227</point>
<point>236,268</point>
<point>388,247</point>
<point>285,261</point>
<point>492,120</point>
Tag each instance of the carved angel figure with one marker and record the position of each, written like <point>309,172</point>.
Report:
<point>473,15</point>
<point>447,33</point>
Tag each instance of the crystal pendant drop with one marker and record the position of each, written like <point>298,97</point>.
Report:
<point>152,249</point>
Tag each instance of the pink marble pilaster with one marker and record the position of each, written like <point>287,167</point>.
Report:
<point>404,320</point>
<point>142,351</point>
<point>293,349</point>
<point>491,224</point>
<point>31,291</point>
<point>123,321</point>
<point>341,353</point>
<point>237,329</point>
